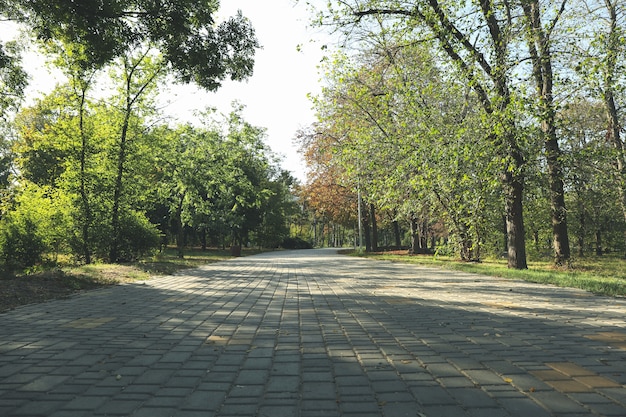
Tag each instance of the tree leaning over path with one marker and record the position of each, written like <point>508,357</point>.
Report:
<point>490,80</point>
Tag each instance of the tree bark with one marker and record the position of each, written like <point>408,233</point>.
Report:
<point>414,236</point>
<point>366,232</point>
<point>180,233</point>
<point>513,197</point>
<point>541,57</point>
<point>396,234</point>
<point>84,196</point>
<point>114,252</point>
<point>374,228</point>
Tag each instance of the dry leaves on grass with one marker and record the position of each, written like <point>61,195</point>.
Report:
<point>36,288</point>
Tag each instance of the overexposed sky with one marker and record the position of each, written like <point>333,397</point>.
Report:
<point>275,96</point>
<point>285,72</point>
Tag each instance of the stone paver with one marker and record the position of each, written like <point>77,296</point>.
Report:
<point>312,333</point>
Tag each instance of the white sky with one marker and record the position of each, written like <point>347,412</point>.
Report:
<point>275,96</point>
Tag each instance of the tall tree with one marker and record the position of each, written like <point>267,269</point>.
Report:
<point>139,75</point>
<point>602,68</point>
<point>72,60</point>
<point>540,47</point>
<point>483,55</point>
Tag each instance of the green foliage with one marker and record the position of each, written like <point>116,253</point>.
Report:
<point>13,78</point>
<point>35,227</point>
<point>138,236</point>
<point>22,244</point>
<point>185,31</point>
<point>410,137</point>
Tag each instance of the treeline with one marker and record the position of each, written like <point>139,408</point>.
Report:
<point>474,127</point>
<point>95,171</point>
<point>106,179</point>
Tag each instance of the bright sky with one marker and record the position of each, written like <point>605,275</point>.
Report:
<point>275,96</point>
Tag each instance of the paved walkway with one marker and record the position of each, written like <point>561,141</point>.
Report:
<point>312,334</point>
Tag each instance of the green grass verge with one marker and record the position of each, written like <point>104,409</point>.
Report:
<point>601,275</point>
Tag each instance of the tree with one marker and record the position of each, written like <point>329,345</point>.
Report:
<point>588,158</point>
<point>602,68</point>
<point>411,135</point>
<point>483,55</point>
<point>71,59</point>
<point>540,41</point>
<point>184,31</point>
<point>277,211</point>
<point>221,179</point>
<point>139,76</point>
<point>325,194</point>
<point>34,226</point>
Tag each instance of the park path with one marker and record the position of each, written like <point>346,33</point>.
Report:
<point>311,334</point>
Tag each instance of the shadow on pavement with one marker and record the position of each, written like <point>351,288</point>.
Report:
<point>311,333</point>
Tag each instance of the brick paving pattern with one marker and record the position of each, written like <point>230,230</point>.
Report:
<point>310,334</point>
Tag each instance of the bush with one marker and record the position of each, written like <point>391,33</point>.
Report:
<point>295,243</point>
<point>137,236</point>
<point>22,244</point>
<point>36,224</point>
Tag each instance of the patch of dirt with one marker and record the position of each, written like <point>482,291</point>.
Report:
<point>36,288</point>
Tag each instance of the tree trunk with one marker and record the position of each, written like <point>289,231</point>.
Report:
<point>414,236</point>
<point>505,234</point>
<point>366,232</point>
<point>541,57</point>
<point>84,197</point>
<point>396,234</point>
<point>557,204</point>
<point>374,228</point>
<point>203,238</point>
<point>424,236</point>
<point>516,244</point>
<point>114,255</point>
<point>582,230</point>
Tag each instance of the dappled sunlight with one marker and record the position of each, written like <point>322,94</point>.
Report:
<point>313,329</point>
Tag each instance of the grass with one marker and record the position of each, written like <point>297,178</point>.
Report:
<point>63,279</point>
<point>601,275</point>
<point>166,262</point>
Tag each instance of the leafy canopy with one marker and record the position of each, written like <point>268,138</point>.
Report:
<point>185,31</point>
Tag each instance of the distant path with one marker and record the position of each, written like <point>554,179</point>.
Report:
<point>311,334</point>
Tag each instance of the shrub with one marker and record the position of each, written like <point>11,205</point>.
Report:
<point>35,225</point>
<point>137,236</point>
<point>295,243</point>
